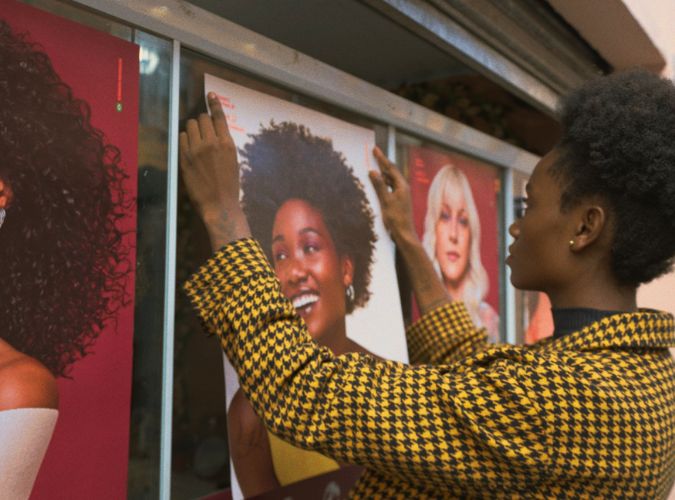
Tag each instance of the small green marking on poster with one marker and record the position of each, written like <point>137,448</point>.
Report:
<point>118,107</point>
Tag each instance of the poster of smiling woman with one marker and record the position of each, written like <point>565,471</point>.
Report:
<point>308,200</point>
<point>68,148</point>
<point>455,202</point>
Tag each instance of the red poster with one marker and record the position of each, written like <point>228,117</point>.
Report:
<point>455,207</point>
<point>94,77</point>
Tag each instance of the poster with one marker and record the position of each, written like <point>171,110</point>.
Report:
<point>76,146</point>
<point>308,199</point>
<point>455,210</point>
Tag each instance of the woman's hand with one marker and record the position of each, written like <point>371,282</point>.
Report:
<point>208,159</point>
<point>395,203</point>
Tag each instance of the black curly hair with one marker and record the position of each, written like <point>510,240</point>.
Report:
<point>618,142</point>
<point>285,161</point>
<point>63,260</point>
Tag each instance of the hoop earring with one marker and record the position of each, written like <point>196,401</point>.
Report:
<point>350,294</point>
<point>3,213</point>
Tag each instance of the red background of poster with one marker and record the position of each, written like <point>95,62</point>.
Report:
<point>424,164</point>
<point>88,454</point>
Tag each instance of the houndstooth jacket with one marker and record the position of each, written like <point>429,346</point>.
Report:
<point>590,415</point>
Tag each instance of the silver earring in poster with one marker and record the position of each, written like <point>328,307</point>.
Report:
<point>350,294</point>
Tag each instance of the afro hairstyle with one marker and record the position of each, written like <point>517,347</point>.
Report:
<point>285,161</point>
<point>618,143</point>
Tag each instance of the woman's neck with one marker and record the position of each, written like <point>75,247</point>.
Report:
<point>335,339</point>
<point>455,289</point>
<point>587,293</point>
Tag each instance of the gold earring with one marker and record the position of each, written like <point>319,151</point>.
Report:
<point>571,243</point>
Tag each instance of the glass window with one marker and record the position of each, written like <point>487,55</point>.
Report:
<point>155,70</point>
<point>533,309</point>
<point>201,462</point>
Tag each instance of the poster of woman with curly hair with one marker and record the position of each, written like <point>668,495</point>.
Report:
<point>308,200</point>
<point>68,143</point>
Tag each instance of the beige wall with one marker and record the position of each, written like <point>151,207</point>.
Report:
<point>657,18</point>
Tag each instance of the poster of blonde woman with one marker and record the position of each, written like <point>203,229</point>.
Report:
<point>455,206</point>
<point>308,200</point>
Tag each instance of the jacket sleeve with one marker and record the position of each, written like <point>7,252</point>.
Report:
<point>445,335</point>
<point>459,426</point>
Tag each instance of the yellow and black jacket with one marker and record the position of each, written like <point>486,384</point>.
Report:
<point>590,415</point>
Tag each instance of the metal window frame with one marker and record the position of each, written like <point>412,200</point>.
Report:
<point>230,43</point>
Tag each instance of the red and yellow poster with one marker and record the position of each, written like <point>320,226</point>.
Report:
<point>455,207</point>
<point>68,142</point>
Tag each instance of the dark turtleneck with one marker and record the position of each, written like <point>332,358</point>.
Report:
<point>568,320</point>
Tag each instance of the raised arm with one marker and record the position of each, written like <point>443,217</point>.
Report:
<point>450,427</point>
<point>208,159</point>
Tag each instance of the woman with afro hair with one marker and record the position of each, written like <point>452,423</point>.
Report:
<point>311,215</point>
<point>60,248</point>
<point>588,413</point>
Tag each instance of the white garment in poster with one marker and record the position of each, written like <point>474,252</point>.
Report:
<point>24,437</point>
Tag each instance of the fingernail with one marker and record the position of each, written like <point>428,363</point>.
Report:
<point>212,96</point>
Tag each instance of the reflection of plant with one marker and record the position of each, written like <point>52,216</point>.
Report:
<point>460,102</point>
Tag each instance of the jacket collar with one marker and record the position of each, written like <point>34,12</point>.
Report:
<point>645,328</point>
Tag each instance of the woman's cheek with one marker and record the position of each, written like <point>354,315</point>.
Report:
<point>282,275</point>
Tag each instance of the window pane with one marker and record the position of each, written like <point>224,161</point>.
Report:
<point>200,454</point>
<point>533,309</point>
<point>155,69</point>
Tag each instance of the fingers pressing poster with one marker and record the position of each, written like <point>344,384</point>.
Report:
<point>68,143</point>
<point>308,200</point>
<point>455,202</point>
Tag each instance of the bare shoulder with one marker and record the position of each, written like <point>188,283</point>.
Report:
<point>25,382</point>
<point>242,417</point>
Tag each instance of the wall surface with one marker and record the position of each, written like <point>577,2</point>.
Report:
<point>658,19</point>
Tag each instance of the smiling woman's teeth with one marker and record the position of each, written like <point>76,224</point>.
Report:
<point>305,300</point>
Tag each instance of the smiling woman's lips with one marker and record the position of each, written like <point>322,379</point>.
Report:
<point>305,299</point>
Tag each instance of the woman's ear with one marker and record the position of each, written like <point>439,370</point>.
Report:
<point>591,225</point>
<point>347,264</point>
